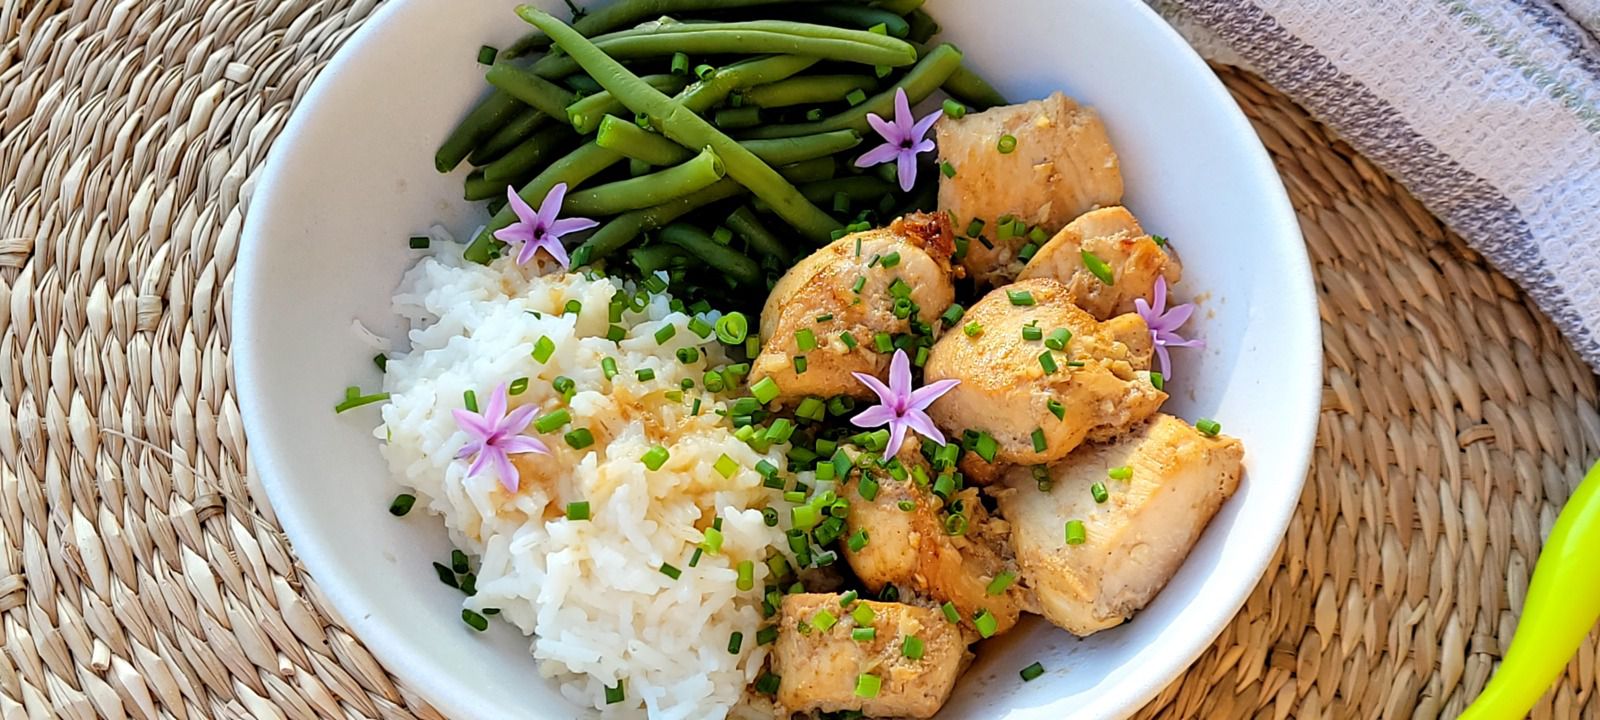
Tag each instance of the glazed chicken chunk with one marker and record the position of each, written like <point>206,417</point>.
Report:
<point>824,668</point>
<point>1029,401</point>
<point>927,551</point>
<point>837,290</point>
<point>1060,166</point>
<point>1132,260</point>
<point>1176,478</point>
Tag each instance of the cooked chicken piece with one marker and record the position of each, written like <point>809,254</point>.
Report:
<point>1114,237</point>
<point>820,295</point>
<point>1136,539</point>
<point>914,550</point>
<point>1008,392</point>
<point>1062,166</point>
<point>824,669</point>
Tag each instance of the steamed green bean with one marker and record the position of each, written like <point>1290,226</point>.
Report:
<point>713,88</point>
<point>581,164</point>
<point>655,257</point>
<point>922,25</point>
<point>627,12</point>
<point>756,36</point>
<point>730,262</point>
<point>687,128</point>
<point>970,88</point>
<point>919,83</point>
<point>508,137</point>
<point>737,118</point>
<point>807,90</point>
<point>899,7</point>
<point>581,83</point>
<point>622,229</point>
<point>647,190</point>
<point>489,115</point>
<point>585,114</point>
<point>745,223</point>
<point>543,95</point>
<point>477,187</point>
<point>522,160</point>
<point>855,187</point>
<point>861,16</point>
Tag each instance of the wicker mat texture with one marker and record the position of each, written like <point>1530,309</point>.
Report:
<point>142,573</point>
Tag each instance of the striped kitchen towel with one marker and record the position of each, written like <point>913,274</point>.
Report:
<point>1487,110</point>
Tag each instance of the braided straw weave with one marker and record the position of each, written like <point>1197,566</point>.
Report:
<point>142,573</point>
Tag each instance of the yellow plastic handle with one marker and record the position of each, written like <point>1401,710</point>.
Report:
<point>1563,605</point>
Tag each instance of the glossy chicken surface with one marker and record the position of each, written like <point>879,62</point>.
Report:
<point>1136,539</point>
<point>1111,235</point>
<point>915,550</point>
<point>1099,383</point>
<point>838,290</point>
<point>1062,165</point>
<point>822,666</point>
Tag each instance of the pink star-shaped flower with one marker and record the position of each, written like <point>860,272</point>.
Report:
<point>1164,325</point>
<point>495,436</point>
<point>535,230</point>
<point>899,406</point>
<point>904,139</point>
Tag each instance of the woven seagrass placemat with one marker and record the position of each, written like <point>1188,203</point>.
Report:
<point>142,573</point>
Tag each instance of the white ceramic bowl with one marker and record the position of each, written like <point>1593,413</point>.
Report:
<point>351,178</point>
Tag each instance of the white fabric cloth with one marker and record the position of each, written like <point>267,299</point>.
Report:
<point>1487,110</point>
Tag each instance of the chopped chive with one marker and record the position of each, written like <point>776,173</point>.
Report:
<point>1041,478</point>
<point>402,504</point>
<point>1000,583</point>
<point>861,282</point>
<point>1037,235</point>
<point>805,340</point>
<point>952,315</point>
<point>1157,381</point>
<point>766,635</point>
<point>470,400</point>
<point>907,505</point>
<point>1056,408</point>
<point>858,540</point>
<point>732,328</point>
<point>747,575</point>
<point>615,695</point>
<point>1098,491</point>
<point>735,641</point>
<point>474,620</point>
<point>446,575</point>
<point>356,400</point>
<point>975,228</point>
<point>947,169</point>
<point>950,612</point>
<point>856,97</point>
<point>890,260</point>
<point>700,327</point>
<point>543,349</point>
<point>883,342</point>
<point>644,374</point>
<point>1208,427</point>
<point>811,408</point>
<point>665,333</point>
<point>1048,362</point>
<point>486,54</point>
<point>572,307</point>
<point>765,390</point>
<point>986,623</point>
<point>670,571</point>
<point>768,683</point>
<point>458,562</point>
<point>825,317</point>
<point>552,421</point>
<point>726,466</point>
<point>863,615</point>
<point>1097,266</point>
<point>680,64</point>
<point>867,488</point>
<point>1160,240</point>
<point>1031,332</point>
<point>824,620</point>
<point>1075,363</point>
<point>955,524</point>
<point>564,385</point>
<point>578,510</point>
<point>382,361</point>
<point>579,439</point>
<point>1020,297</point>
<point>688,355</point>
<point>518,386</point>
<point>1031,672</point>
<point>848,340</point>
<point>1039,444</point>
<point>864,634</point>
<point>986,447</point>
<point>1006,144</point>
<point>1076,535</point>
<point>655,457</point>
<point>419,242</point>
<point>954,110</point>
<point>608,365</point>
<point>1120,473</point>
<point>799,364</point>
<point>847,597</point>
<point>973,329</point>
<point>1058,339</point>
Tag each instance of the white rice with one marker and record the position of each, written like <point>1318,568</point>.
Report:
<point>590,593</point>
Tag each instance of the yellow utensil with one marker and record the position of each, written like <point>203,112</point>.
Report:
<point>1563,604</point>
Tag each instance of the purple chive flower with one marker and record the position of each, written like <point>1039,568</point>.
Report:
<point>495,436</point>
<point>903,139</point>
<point>899,406</point>
<point>541,229</point>
<point>1164,325</point>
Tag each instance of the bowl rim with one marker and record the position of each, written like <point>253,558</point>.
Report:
<point>405,658</point>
